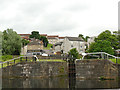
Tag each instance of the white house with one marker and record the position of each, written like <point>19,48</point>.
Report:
<point>90,40</point>
<point>69,43</point>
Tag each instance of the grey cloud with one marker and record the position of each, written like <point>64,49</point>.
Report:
<point>96,30</point>
<point>56,22</point>
<point>29,16</point>
<point>77,7</point>
<point>32,15</point>
<point>5,4</point>
<point>33,9</point>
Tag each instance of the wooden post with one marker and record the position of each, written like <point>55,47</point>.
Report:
<point>26,59</point>
<point>1,65</point>
<point>20,58</point>
<point>7,63</point>
<point>14,61</point>
<point>116,60</point>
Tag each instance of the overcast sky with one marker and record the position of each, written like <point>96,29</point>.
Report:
<point>61,17</point>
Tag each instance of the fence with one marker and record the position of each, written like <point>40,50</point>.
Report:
<point>103,55</point>
<point>34,58</point>
<point>15,60</point>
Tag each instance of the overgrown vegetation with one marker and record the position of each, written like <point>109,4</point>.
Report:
<point>101,46</point>
<point>74,53</point>
<point>6,57</point>
<point>106,42</point>
<point>52,60</point>
<point>48,46</point>
<point>11,43</point>
<point>25,42</point>
<point>114,60</point>
<point>104,78</point>
<point>61,70</point>
<point>36,35</point>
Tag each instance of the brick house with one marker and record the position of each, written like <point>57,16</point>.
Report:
<point>24,36</point>
<point>53,39</point>
<point>61,39</point>
<point>35,46</point>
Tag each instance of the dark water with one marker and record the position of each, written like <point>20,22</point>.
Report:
<point>57,82</point>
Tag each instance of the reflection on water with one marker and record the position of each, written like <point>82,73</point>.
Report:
<point>57,82</point>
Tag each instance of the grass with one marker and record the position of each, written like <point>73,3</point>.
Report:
<point>12,62</point>
<point>48,47</point>
<point>4,58</point>
<point>114,60</point>
<point>52,60</point>
<point>18,60</point>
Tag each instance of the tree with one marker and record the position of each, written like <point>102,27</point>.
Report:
<point>45,41</point>
<point>101,46</point>
<point>108,36</point>
<point>36,35</point>
<point>24,42</point>
<point>73,52</point>
<point>80,35</point>
<point>84,38</point>
<point>0,43</point>
<point>115,32</point>
<point>11,42</point>
<point>119,39</point>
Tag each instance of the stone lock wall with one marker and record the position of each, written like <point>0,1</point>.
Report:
<point>83,69</point>
<point>95,69</point>
<point>36,69</point>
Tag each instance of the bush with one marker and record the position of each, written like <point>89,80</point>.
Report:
<point>73,52</point>
<point>6,57</point>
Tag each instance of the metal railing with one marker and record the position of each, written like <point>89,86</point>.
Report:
<point>13,61</point>
<point>34,58</point>
<point>103,55</point>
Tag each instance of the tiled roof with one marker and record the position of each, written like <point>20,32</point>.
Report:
<point>53,36</point>
<point>61,37</point>
<point>25,37</point>
<point>43,34</point>
<point>58,43</point>
<point>34,42</point>
<point>75,38</point>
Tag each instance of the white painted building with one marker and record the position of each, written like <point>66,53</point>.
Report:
<point>69,43</point>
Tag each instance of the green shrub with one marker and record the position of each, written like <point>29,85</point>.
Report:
<point>73,52</point>
<point>6,57</point>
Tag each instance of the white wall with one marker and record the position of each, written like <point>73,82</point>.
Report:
<point>24,50</point>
